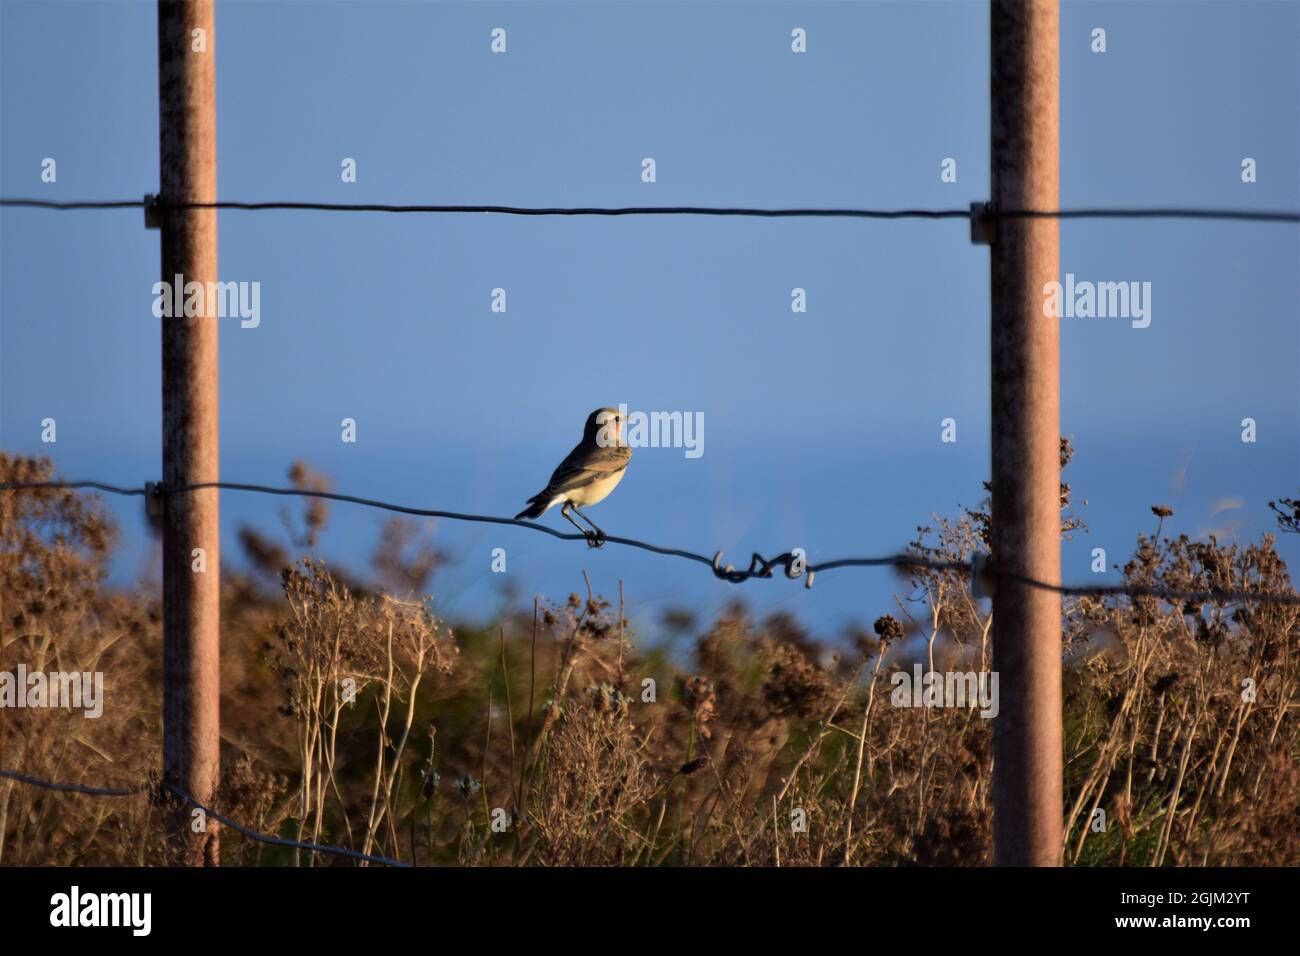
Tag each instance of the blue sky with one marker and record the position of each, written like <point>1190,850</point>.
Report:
<point>822,429</point>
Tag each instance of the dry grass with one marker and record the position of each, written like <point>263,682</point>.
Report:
<point>550,738</point>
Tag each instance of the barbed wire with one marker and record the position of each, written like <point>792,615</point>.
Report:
<point>1166,212</point>
<point>220,817</point>
<point>981,571</point>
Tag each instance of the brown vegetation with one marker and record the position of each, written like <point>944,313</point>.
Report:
<point>352,715</point>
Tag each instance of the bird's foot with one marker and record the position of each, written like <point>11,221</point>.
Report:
<point>596,539</point>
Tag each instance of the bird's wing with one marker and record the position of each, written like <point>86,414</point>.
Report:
<point>584,465</point>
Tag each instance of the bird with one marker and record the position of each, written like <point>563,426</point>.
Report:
<point>587,475</point>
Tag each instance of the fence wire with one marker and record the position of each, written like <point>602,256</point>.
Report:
<point>980,570</point>
<point>1164,212</point>
<point>220,817</point>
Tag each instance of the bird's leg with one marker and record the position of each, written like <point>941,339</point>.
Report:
<point>600,535</point>
<point>591,538</point>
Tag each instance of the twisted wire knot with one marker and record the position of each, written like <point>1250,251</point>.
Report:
<point>760,567</point>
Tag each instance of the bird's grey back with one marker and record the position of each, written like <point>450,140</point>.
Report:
<point>586,462</point>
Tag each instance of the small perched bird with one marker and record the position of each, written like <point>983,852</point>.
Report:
<point>589,473</point>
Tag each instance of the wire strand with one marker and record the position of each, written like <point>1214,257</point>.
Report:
<point>282,841</point>
<point>222,818</point>
<point>1171,212</point>
<point>73,787</point>
<point>73,204</point>
<point>759,567</point>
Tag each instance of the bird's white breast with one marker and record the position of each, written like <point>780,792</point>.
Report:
<point>595,491</point>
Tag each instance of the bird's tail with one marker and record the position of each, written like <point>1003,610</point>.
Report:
<point>537,506</point>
